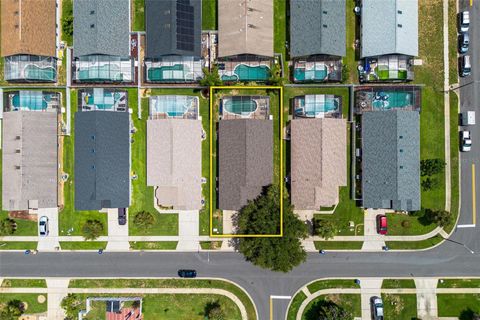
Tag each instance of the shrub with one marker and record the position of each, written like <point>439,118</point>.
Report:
<point>144,219</point>
<point>440,217</point>
<point>326,229</point>
<point>7,227</point>
<point>429,184</point>
<point>67,25</point>
<point>275,78</point>
<point>211,77</point>
<point>429,167</point>
<point>92,229</point>
<point>345,72</point>
<point>72,304</point>
<point>406,224</point>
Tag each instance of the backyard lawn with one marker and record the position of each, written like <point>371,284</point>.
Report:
<point>209,14</point>
<point>31,300</point>
<point>400,306</point>
<point>138,23</point>
<point>462,306</point>
<point>67,11</point>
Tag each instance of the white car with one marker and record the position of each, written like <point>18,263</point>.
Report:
<point>463,21</point>
<point>466,141</point>
<point>43,226</point>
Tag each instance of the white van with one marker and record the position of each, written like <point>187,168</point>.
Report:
<point>465,66</point>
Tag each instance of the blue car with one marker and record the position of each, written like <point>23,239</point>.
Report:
<point>184,273</point>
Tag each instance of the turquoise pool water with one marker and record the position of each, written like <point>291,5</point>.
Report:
<point>312,107</point>
<point>34,101</point>
<point>239,106</point>
<point>175,72</point>
<point>105,101</point>
<point>173,106</point>
<point>244,72</point>
<point>391,100</point>
<point>301,74</point>
<point>37,73</point>
<point>105,72</point>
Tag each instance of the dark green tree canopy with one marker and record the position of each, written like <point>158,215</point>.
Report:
<point>262,216</point>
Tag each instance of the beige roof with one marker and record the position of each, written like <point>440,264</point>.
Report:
<point>28,27</point>
<point>318,161</point>
<point>30,163</point>
<point>174,162</point>
<point>245,27</point>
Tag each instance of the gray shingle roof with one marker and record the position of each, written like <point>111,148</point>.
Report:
<point>317,27</point>
<point>101,27</point>
<point>30,174</point>
<point>171,30</point>
<point>391,160</point>
<point>389,27</point>
<point>245,160</point>
<point>102,160</point>
<point>174,162</point>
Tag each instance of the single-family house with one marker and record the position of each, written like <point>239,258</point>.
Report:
<point>317,39</point>
<point>391,160</point>
<point>28,40</point>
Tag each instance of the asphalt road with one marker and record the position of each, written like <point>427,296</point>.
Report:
<point>470,100</point>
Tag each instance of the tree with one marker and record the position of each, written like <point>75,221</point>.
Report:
<point>92,229</point>
<point>429,167</point>
<point>211,77</point>
<point>67,24</point>
<point>326,229</point>
<point>345,72</point>
<point>275,78</point>
<point>440,217</point>
<point>144,219</point>
<point>12,310</point>
<point>72,304</point>
<point>7,226</point>
<point>429,184</point>
<point>261,216</point>
<point>329,310</point>
<point>216,313</point>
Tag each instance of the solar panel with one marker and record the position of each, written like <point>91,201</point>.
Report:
<point>185,25</point>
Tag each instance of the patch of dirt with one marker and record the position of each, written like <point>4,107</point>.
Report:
<point>24,215</point>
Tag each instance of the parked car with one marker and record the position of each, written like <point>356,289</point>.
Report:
<point>465,141</point>
<point>122,216</point>
<point>381,224</point>
<point>463,42</point>
<point>467,118</point>
<point>465,66</point>
<point>185,273</point>
<point>463,21</point>
<point>43,226</point>
<point>377,308</point>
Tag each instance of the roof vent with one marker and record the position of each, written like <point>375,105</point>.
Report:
<point>92,26</point>
<point>92,12</point>
<point>17,151</point>
<point>325,11</point>
<point>401,167</point>
<point>17,167</point>
<point>399,11</point>
<point>251,26</point>
<point>325,26</point>
<point>399,25</point>
<point>17,138</point>
<point>401,150</point>
<point>401,137</point>
<point>15,12</point>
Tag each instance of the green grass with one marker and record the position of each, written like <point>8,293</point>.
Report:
<point>67,10</point>
<point>350,60</point>
<point>332,284</point>
<point>459,283</point>
<point>400,306</point>
<point>414,226</point>
<point>338,245</point>
<point>295,305</point>
<point>432,140</point>
<point>413,245</point>
<point>452,41</point>
<point>33,306</point>
<point>398,283</point>
<point>18,245</point>
<point>349,302</point>
<point>168,283</point>
<point>209,14</point>
<point>83,245</point>
<point>280,25</point>
<point>70,220</point>
<point>143,196</point>
<point>186,306</point>
<point>138,23</point>
<point>210,245</point>
<point>153,245</point>
<point>97,310</point>
<point>458,305</point>
<point>24,283</point>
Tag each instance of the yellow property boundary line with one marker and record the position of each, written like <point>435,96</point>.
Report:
<point>212,90</point>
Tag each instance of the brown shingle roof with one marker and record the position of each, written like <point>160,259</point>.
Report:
<point>245,160</point>
<point>28,27</point>
<point>319,161</point>
<point>245,27</point>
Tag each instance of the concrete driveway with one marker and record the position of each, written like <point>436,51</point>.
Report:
<point>117,234</point>
<point>188,230</point>
<point>373,241</point>
<point>50,242</point>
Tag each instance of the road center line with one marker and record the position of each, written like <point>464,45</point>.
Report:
<point>474,196</point>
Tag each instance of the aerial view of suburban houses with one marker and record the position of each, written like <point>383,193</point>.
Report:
<point>239,159</point>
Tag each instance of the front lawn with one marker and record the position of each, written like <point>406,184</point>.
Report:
<point>31,300</point>
<point>462,306</point>
<point>153,245</point>
<point>414,245</point>
<point>398,283</point>
<point>24,283</point>
<point>71,221</point>
<point>400,306</point>
<point>406,225</point>
<point>143,197</point>
<point>348,302</point>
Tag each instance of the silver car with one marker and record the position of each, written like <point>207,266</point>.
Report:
<point>43,226</point>
<point>377,308</point>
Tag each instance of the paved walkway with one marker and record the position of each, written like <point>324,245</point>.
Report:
<point>117,234</point>
<point>369,287</point>
<point>426,298</point>
<point>227,221</point>
<point>446,98</point>
<point>188,231</point>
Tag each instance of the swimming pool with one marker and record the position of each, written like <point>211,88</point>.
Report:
<point>37,73</point>
<point>391,100</point>
<point>173,106</point>
<point>167,73</point>
<point>32,100</point>
<point>301,74</point>
<point>103,99</point>
<point>314,105</point>
<point>240,105</point>
<point>104,72</point>
<point>245,72</point>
